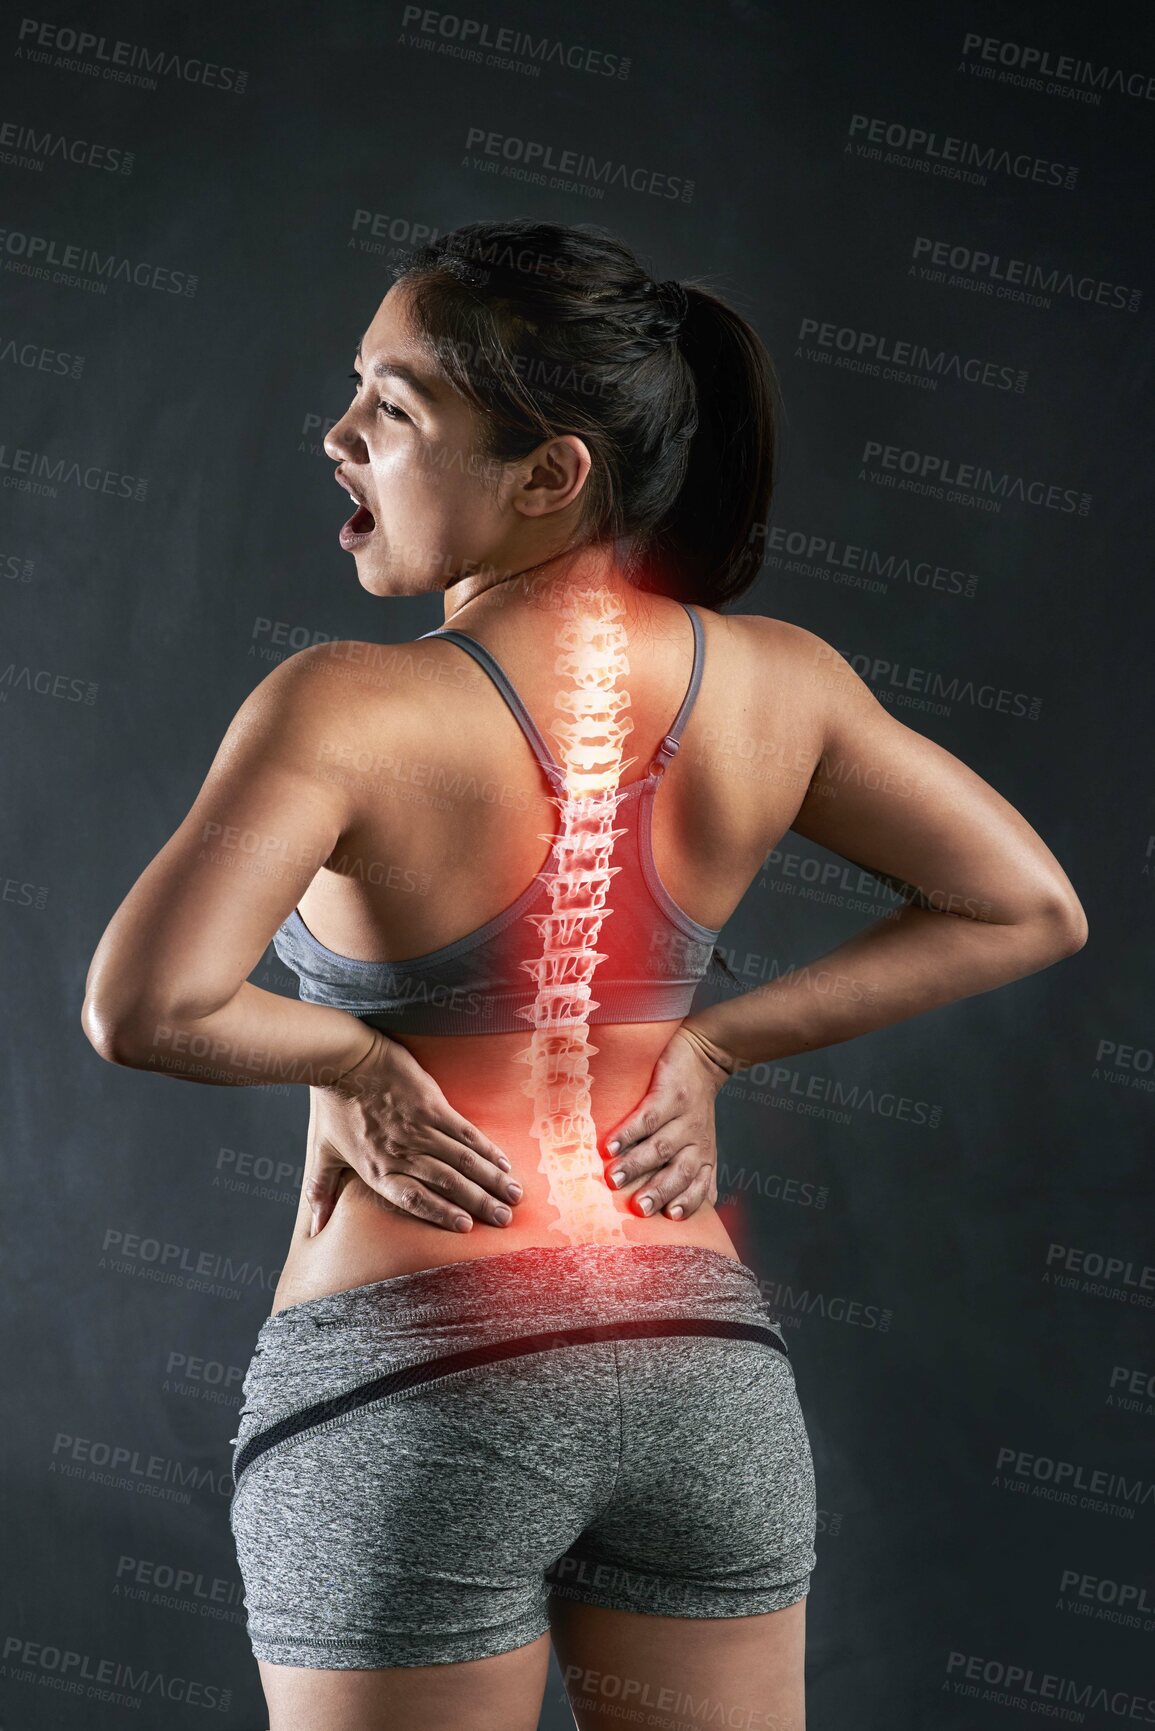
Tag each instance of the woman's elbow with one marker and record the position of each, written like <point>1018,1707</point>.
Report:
<point>1063,923</point>
<point>111,1037</point>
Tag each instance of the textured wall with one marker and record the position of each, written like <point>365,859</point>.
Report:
<point>939,221</point>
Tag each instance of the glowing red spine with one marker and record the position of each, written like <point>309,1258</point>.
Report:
<point>592,656</point>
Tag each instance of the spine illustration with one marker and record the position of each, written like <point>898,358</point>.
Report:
<point>589,731</point>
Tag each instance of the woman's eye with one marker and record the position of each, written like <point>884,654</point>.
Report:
<point>391,409</point>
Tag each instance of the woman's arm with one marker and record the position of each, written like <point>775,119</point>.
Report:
<point>168,986</point>
<point>986,902</point>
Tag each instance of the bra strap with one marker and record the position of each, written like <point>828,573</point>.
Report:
<point>673,738</point>
<point>528,725</point>
<point>521,714</point>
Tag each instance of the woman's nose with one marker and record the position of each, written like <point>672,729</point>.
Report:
<point>342,440</point>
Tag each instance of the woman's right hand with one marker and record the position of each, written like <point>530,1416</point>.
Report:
<point>670,1132</point>
<point>388,1121</point>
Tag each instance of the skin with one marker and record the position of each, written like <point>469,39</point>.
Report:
<point>323,775</point>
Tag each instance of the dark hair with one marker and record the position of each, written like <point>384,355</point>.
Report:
<point>547,328</point>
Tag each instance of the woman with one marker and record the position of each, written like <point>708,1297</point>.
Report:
<point>575,1418</point>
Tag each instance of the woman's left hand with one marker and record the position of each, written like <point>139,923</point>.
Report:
<point>671,1131</point>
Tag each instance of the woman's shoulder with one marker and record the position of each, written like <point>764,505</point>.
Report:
<point>349,664</point>
<point>339,688</point>
<point>760,643</point>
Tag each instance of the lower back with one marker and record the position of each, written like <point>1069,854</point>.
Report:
<point>365,1239</point>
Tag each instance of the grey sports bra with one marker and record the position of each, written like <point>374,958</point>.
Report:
<point>655,954</point>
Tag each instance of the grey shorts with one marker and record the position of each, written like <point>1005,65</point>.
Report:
<point>422,1461</point>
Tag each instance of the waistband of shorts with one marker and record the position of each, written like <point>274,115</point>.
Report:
<point>538,1283</point>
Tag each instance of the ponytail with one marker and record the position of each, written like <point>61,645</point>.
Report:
<point>710,545</point>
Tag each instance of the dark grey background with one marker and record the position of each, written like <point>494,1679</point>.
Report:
<point>898,1195</point>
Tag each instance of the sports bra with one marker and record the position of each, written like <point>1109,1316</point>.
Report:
<point>653,953</point>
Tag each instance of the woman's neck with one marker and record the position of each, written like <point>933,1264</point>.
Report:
<point>546,587</point>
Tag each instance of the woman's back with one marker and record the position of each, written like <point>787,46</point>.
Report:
<point>529,400</point>
<point>450,816</point>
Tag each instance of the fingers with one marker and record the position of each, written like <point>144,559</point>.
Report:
<point>429,1190</point>
<point>444,1180</point>
<point>681,1184</point>
<point>408,1195</point>
<point>321,1190</point>
<point>641,1123</point>
<point>479,1168</point>
<point>423,1187</point>
<point>428,1198</point>
<point>653,1151</point>
<point>683,1171</point>
<point>668,1140</point>
<point>457,1174</point>
<point>461,1130</point>
<point>680,1207</point>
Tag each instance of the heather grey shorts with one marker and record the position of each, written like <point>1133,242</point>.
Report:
<point>422,1461</point>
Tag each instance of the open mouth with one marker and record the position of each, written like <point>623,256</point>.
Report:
<point>358,529</point>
